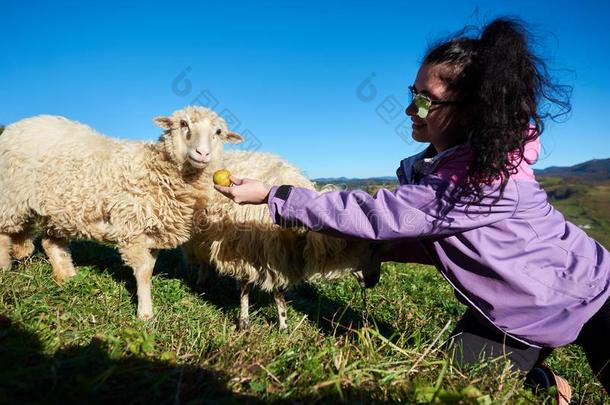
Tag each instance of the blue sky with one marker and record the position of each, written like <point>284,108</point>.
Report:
<point>293,75</point>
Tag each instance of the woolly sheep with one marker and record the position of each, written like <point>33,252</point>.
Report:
<point>75,183</point>
<point>243,242</point>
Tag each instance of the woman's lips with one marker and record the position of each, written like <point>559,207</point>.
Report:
<point>417,125</point>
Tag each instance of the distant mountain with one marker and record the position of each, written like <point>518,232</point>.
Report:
<point>328,180</point>
<point>596,169</point>
<point>371,184</point>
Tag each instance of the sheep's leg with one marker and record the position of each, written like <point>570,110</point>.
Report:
<point>23,246</point>
<point>281,310</point>
<point>142,261</point>
<point>58,252</point>
<point>203,275</point>
<point>5,252</point>
<point>244,317</point>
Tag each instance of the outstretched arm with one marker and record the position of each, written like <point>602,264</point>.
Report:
<point>247,191</point>
<point>410,212</point>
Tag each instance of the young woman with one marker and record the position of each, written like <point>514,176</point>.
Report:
<point>470,205</point>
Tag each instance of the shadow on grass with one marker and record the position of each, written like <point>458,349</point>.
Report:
<point>108,259</point>
<point>333,317</point>
<point>88,374</point>
<point>169,265</point>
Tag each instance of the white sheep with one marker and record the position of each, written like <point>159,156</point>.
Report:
<point>242,241</point>
<point>75,183</point>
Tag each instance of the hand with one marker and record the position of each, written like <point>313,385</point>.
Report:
<point>246,191</point>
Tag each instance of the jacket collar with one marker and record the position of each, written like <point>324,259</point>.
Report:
<point>423,163</point>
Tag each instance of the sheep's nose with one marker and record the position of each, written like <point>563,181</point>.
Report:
<point>205,155</point>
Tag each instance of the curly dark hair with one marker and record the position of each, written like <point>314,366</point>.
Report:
<point>503,89</point>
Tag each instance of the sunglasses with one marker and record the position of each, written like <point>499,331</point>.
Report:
<point>424,103</point>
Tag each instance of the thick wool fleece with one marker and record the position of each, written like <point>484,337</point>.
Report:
<point>79,184</point>
<point>242,241</point>
<point>74,183</point>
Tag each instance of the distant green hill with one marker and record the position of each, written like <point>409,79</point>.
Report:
<point>584,203</point>
<point>371,184</point>
<point>582,194</point>
<point>595,170</point>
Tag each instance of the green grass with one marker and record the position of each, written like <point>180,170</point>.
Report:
<point>583,203</point>
<point>80,341</point>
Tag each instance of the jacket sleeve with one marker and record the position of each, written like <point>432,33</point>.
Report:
<point>412,211</point>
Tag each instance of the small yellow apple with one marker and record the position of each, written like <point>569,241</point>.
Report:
<point>221,177</point>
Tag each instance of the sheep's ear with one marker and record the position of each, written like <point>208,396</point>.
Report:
<point>232,137</point>
<point>163,122</point>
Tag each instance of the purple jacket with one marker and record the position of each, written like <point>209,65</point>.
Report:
<point>518,262</point>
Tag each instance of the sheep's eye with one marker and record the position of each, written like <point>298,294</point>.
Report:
<point>218,131</point>
<point>183,124</point>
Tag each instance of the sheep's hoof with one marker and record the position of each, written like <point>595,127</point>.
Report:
<point>145,316</point>
<point>284,330</point>
<point>63,277</point>
<point>244,324</point>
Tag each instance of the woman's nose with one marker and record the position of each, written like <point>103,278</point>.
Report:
<point>410,110</point>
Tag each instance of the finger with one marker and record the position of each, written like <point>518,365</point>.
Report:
<point>222,189</point>
<point>236,181</point>
<point>226,191</point>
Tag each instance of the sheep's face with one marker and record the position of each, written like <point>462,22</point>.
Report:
<point>194,136</point>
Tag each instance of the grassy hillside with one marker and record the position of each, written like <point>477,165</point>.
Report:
<point>585,203</point>
<point>81,340</point>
